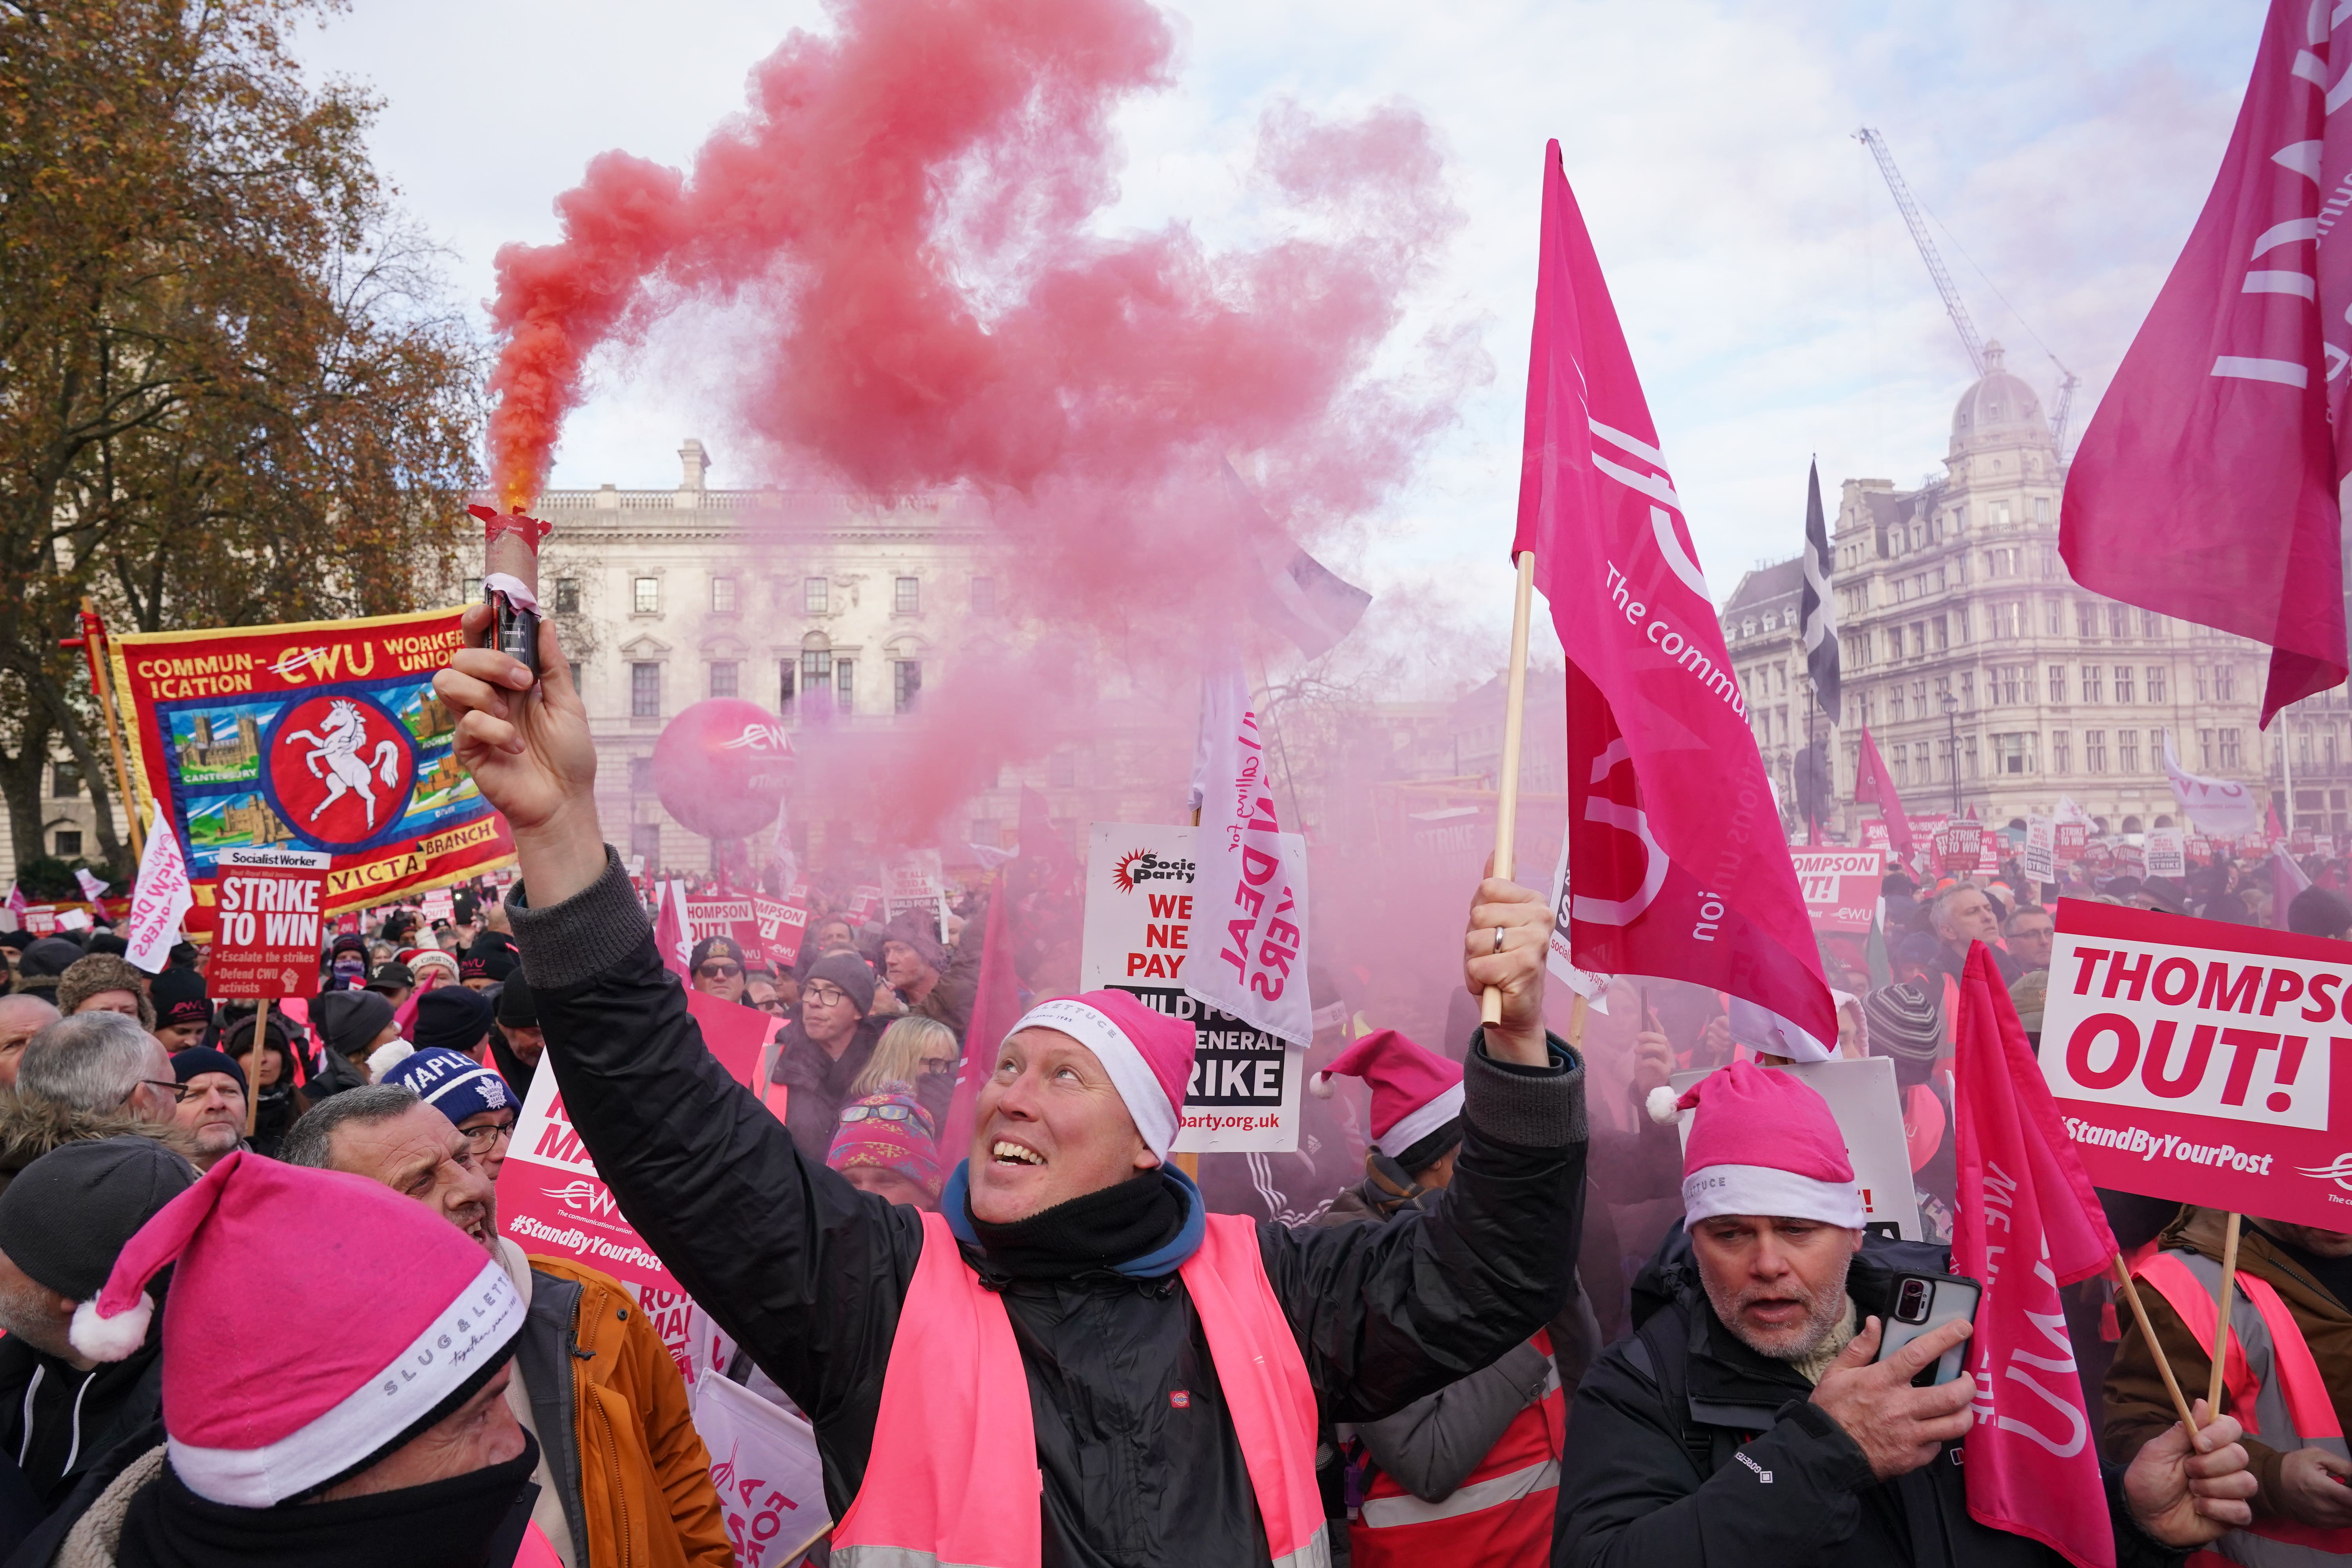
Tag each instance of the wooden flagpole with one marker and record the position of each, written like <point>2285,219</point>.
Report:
<point>253,1079</point>
<point>2221,1323</point>
<point>2146,1332</point>
<point>1506,800</point>
<point>92,642</point>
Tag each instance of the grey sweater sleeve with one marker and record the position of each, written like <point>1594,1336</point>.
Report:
<point>1431,1445</point>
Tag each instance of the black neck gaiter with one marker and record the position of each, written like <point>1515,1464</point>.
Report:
<point>451,1523</point>
<point>1125,1220</point>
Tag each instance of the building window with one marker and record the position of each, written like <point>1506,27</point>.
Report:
<point>641,775</point>
<point>2123,683</point>
<point>2232,754</point>
<point>2001,514</point>
<point>2204,683</point>
<point>1943,633</point>
<point>844,685</point>
<point>2093,689</point>
<point>1968,751</point>
<point>815,593</point>
<point>1918,640</point>
<point>723,674</point>
<point>2042,509</point>
<point>2151,625</point>
<point>2061,751</point>
<point>2094,751</point>
<point>1967,690</point>
<point>2052,617</point>
<point>2225,685</point>
<point>816,675</point>
<point>909,598</point>
<point>2119,622</point>
<point>785,670</point>
<point>644,691</point>
<point>567,595</point>
<point>648,601</point>
<point>1895,703</point>
<point>2155,683</point>
<point>2128,751</point>
<point>2086,620</point>
<point>983,596</point>
<point>1748,629</point>
<point>906,683</point>
<point>65,781</point>
<point>722,596</point>
<point>67,841</point>
<point>645,845</point>
<point>2205,750</point>
<point>2057,683</point>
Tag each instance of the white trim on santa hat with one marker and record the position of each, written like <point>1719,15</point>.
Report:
<point>1714,1190</point>
<point>483,1318</point>
<point>1419,1123</point>
<point>1130,1074</point>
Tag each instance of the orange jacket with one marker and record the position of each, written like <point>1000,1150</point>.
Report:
<point>645,1475</point>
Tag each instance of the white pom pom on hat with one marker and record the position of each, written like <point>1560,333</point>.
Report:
<point>111,1339</point>
<point>1320,1085</point>
<point>1664,1106</point>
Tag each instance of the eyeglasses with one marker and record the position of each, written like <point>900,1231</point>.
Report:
<point>178,1092</point>
<point>877,1112</point>
<point>719,971</point>
<point>934,1066</point>
<point>822,995</point>
<point>482,1140</point>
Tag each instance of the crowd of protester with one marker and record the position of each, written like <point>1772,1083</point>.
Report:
<point>1504,1297</point>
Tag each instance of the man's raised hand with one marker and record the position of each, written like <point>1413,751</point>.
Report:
<point>1897,1427</point>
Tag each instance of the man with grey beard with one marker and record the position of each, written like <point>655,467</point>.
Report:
<point>1747,1421</point>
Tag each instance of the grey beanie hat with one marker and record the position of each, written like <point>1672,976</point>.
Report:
<point>1906,1022</point>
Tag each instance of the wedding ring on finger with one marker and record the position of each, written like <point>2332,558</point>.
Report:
<point>1499,938</point>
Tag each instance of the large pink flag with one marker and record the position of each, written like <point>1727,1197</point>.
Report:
<point>2028,1224</point>
<point>1680,867</point>
<point>1872,783</point>
<point>2207,483</point>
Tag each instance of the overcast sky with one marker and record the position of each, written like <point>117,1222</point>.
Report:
<point>1776,307</point>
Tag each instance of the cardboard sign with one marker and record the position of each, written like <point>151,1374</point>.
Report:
<point>2254,844</point>
<point>2203,1062</point>
<point>41,920</point>
<point>1959,847</point>
<point>916,881</point>
<point>1861,1095</point>
<point>2072,843</point>
<point>2298,843</point>
<point>439,904</point>
<point>728,917</point>
<point>2199,849</point>
<point>1875,837</point>
<point>765,1468</point>
<point>780,928</point>
<point>864,905</point>
<point>267,922</point>
<point>323,735</point>
<point>75,918</point>
<point>2098,856</point>
<point>2323,846</point>
<point>1136,938</point>
<point>1840,887</point>
<point>2167,854</point>
<point>2040,860</point>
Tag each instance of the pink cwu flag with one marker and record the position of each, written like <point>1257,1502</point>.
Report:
<point>1874,782</point>
<point>2028,1224</point>
<point>2208,483</point>
<point>1680,867</point>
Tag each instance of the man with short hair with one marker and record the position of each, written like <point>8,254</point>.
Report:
<point>516,1042</point>
<point>929,978</point>
<point>21,1017</point>
<point>392,982</point>
<point>717,968</point>
<point>351,1024</point>
<point>98,1062</point>
<point>63,1221</point>
<point>597,1387</point>
<point>1746,1420</point>
<point>212,1103</point>
<point>2031,934</point>
<point>1962,914</point>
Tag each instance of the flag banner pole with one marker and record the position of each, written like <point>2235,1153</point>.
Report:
<point>2148,1332</point>
<point>2221,1324</point>
<point>92,643</point>
<point>253,1079</point>
<point>1576,1012</point>
<point>1507,799</point>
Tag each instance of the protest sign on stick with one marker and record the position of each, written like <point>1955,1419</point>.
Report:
<point>1136,938</point>
<point>267,937</point>
<point>765,1468</point>
<point>2041,857</point>
<point>2203,1062</point>
<point>1507,799</point>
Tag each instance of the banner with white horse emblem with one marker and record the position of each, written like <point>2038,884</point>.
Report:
<point>324,735</point>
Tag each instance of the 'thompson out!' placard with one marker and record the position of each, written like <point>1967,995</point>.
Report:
<point>2204,1062</point>
<point>1245,1091</point>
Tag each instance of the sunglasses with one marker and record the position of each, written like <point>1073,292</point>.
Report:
<point>877,1114</point>
<point>719,971</point>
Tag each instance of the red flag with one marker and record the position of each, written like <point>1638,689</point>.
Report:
<point>2028,1224</point>
<point>2207,484</point>
<point>1681,869</point>
<point>1874,784</point>
<point>670,931</point>
<point>2271,831</point>
<point>995,1008</point>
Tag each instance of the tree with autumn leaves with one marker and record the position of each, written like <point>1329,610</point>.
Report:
<point>230,392</point>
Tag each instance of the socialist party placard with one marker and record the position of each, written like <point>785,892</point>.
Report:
<point>2203,1062</point>
<point>1138,910</point>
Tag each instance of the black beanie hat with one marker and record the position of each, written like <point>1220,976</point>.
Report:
<point>51,956</point>
<point>517,1007</point>
<point>68,1215</point>
<point>450,1017</point>
<point>2316,911</point>
<point>179,997</point>
<point>349,1021</point>
<point>196,1060</point>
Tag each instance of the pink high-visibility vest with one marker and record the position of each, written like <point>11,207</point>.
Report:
<point>953,1477</point>
<point>1501,1514</point>
<point>537,1550</point>
<point>2271,1382</point>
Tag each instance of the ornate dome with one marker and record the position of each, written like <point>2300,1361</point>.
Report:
<point>1998,410</point>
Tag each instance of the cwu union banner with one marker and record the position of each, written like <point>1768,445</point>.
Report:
<point>321,735</point>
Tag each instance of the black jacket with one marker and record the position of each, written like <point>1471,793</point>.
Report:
<point>1687,1448</point>
<point>62,1421</point>
<point>819,1084</point>
<point>809,1274</point>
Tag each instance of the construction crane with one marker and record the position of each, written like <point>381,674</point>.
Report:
<point>1970,340</point>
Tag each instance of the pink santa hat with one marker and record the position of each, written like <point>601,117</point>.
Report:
<point>1148,1054</point>
<point>422,1319</point>
<point>1415,1092</point>
<point>1761,1143</point>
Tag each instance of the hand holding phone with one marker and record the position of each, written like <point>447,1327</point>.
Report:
<point>1898,1427</point>
<point>1922,1303</point>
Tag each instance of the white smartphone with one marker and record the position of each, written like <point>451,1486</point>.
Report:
<point>1922,1304</point>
